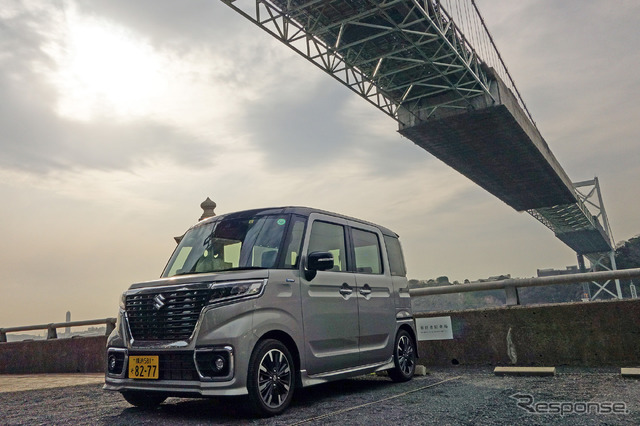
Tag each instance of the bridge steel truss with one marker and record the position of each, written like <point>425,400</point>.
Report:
<point>413,59</point>
<point>574,225</point>
<point>393,53</point>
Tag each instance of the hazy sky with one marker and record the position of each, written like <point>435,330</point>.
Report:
<point>118,118</point>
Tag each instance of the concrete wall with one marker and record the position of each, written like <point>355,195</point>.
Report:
<point>74,355</point>
<point>605,333</point>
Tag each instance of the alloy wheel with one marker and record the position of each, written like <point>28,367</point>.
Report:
<point>274,378</point>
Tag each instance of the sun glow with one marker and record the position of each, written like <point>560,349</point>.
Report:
<point>104,70</point>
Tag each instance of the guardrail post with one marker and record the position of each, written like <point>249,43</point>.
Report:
<point>111,325</point>
<point>51,332</point>
<point>3,335</point>
<point>512,295</point>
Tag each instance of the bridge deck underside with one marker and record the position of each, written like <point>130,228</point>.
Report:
<point>586,241</point>
<point>575,227</point>
<point>491,148</point>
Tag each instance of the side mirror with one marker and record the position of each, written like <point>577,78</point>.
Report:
<point>318,261</point>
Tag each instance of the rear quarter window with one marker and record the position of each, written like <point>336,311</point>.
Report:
<point>396,260</point>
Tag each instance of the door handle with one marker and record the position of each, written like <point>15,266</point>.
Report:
<point>366,290</point>
<point>345,290</point>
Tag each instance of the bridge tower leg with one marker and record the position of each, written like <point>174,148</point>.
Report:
<point>597,263</point>
<point>592,198</point>
<point>612,257</point>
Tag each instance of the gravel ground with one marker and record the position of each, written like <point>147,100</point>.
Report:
<point>454,396</point>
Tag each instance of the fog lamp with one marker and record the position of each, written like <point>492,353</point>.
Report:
<point>218,363</point>
<point>112,363</point>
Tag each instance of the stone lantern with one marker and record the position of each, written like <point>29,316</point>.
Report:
<point>208,206</point>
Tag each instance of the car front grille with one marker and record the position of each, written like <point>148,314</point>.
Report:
<point>167,315</point>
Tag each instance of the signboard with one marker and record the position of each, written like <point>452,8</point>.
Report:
<point>436,328</point>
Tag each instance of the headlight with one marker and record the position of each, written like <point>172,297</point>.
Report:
<point>223,292</point>
<point>123,301</point>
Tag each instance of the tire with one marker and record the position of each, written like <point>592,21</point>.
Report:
<point>271,378</point>
<point>404,357</point>
<point>143,399</point>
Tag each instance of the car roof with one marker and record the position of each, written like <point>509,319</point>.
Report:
<point>298,210</point>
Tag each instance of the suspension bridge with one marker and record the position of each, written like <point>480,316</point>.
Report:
<point>433,66</point>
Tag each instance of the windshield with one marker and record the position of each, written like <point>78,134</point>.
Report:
<point>230,243</point>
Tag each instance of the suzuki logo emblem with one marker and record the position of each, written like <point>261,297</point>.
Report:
<point>158,302</point>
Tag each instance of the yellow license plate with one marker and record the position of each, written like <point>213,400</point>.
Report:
<point>143,367</point>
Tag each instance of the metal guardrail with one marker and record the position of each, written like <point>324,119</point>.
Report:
<point>51,328</point>
<point>510,286</point>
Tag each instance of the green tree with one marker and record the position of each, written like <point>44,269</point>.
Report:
<point>628,253</point>
<point>628,257</point>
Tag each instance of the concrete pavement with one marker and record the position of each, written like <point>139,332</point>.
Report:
<point>447,396</point>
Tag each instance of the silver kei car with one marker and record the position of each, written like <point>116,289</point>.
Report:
<point>261,302</point>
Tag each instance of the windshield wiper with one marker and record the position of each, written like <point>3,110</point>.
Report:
<point>187,273</point>
<point>241,268</point>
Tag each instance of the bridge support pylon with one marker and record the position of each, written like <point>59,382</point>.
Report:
<point>590,196</point>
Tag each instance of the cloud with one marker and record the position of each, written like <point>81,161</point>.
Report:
<point>301,132</point>
<point>37,139</point>
<point>180,25</point>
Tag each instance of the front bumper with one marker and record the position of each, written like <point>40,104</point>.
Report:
<point>175,388</point>
<point>188,373</point>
